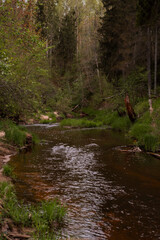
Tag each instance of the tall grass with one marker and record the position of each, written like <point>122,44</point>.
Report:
<point>80,123</point>
<point>8,171</point>
<point>146,138</point>
<point>121,123</point>
<point>138,130</point>
<point>16,134</point>
<point>43,217</point>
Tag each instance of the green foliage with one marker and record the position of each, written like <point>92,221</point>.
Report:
<point>138,130</point>
<point>121,123</point>
<point>142,107</point>
<point>150,142</point>
<point>41,217</point>
<point>51,211</point>
<point>24,74</point>
<point>8,170</point>
<point>135,85</point>
<point>147,139</point>
<point>82,123</point>
<point>15,135</point>
<point>90,112</point>
<point>45,121</point>
<point>35,139</point>
<point>63,100</point>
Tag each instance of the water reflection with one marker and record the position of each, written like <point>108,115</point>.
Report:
<point>110,195</point>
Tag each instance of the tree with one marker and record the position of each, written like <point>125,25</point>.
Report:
<point>147,14</point>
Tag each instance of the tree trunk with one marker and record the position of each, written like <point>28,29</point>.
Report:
<point>149,68</point>
<point>155,60</point>
<point>130,111</point>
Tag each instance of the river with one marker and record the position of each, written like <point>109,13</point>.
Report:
<point>109,194</point>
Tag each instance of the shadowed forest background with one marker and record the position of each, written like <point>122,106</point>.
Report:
<point>69,56</point>
<point>59,54</point>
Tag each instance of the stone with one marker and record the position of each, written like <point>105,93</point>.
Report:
<point>44,117</point>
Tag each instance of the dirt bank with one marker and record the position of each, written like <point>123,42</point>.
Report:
<point>6,151</point>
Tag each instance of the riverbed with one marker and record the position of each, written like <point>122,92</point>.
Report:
<point>109,194</point>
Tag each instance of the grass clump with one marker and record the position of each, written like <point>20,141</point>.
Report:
<point>43,217</point>
<point>47,121</point>
<point>143,133</point>
<point>150,142</point>
<point>8,171</point>
<point>142,107</point>
<point>15,135</point>
<point>138,130</point>
<point>121,123</point>
<point>82,123</point>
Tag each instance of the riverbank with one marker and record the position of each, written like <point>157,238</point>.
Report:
<point>6,151</point>
<point>21,221</point>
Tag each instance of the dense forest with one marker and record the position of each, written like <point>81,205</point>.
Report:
<point>69,56</point>
<point>59,54</point>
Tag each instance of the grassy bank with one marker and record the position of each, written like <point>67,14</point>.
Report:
<point>144,132</point>
<point>44,218</point>
<point>15,134</point>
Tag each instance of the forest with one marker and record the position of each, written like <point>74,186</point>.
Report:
<point>79,57</point>
<point>83,64</point>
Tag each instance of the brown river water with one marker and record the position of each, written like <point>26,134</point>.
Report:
<point>109,194</point>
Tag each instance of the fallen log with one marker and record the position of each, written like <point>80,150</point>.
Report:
<point>154,154</point>
<point>20,236</point>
